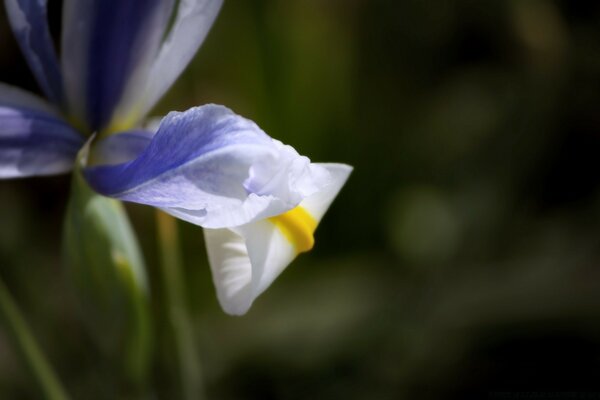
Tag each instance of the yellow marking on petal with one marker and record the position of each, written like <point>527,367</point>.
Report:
<point>122,123</point>
<point>298,226</point>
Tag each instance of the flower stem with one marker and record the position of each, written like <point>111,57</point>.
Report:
<point>176,310</point>
<point>25,343</point>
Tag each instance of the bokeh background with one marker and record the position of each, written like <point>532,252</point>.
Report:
<point>461,260</point>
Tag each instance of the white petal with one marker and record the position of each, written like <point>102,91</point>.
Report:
<point>244,264</point>
<point>246,260</point>
<point>318,203</point>
<point>291,176</point>
<point>231,269</point>
<point>270,253</point>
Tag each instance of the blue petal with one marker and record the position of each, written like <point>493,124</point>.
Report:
<point>29,23</point>
<point>105,42</point>
<point>35,143</point>
<point>212,168</point>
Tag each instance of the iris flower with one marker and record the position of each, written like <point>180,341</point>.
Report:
<point>257,199</point>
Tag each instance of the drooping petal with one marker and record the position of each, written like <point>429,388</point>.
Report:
<point>34,143</point>
<point>28,20</point>
<point>245,260</point>
<point>212,168</point>
<point>104,43</point>
<point>191,25</point>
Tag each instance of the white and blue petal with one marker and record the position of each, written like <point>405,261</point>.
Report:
<point>245,260</point>
<point>105,43</point>
<point>34,140</point>
<point>28,20</point>
<point>212,168</point>
<point>191,24</point>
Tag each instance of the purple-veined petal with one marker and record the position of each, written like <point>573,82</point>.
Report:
<point>104,43</point>
<point>29,23</point>
<point>192,22</point>
<point>212,168</point>
<point>33,143</point>
<point>245,260</point>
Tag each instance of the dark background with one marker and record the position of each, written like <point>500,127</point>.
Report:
<point>461,259</point>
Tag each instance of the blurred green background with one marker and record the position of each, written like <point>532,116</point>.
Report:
<point>461,259</point>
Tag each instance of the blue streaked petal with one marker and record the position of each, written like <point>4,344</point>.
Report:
<point>34,143</point>
<point>202,166</point>
<point>193,21</point>
<point>29,23</point>
<point>104,42</point>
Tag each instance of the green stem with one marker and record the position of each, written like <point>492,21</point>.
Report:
<point>176,310</point>
<point>26,345</point>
